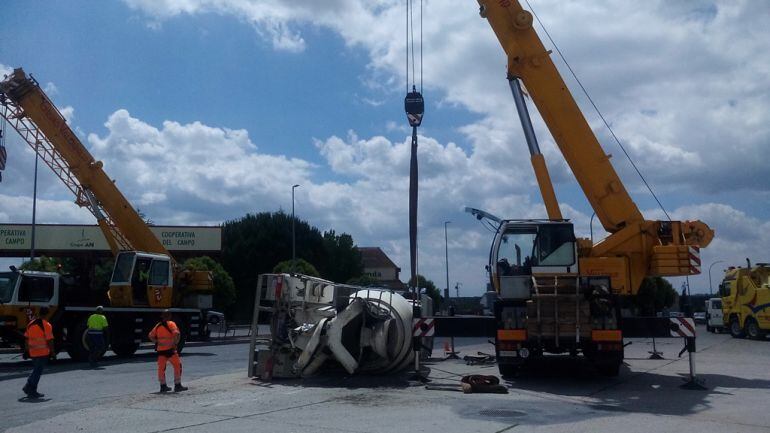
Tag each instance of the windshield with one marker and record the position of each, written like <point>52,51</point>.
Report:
<point>123,265</point>
<point>7,284</point>
<point>514,253</point>
<point>555,245</point>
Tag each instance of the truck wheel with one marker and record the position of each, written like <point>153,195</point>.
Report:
<point>609,369</point>
<point>735,328</point>
<point>753,330</point>
<point>508,370</point>
<point>709,329</point>
<point>124,348</point>
<point>77,338</point>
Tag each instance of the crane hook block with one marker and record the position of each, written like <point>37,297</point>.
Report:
<point>415,107</point>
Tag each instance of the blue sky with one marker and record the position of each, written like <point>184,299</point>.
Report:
<point>204,110</point>
<point>206,67</point>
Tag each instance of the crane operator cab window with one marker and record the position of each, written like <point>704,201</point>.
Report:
<point>7,286</point>
<point>140,278</point>
<point>555,245</point>
<point>514,256</point>
<point>38,289</point>
<point>124,264</point>
<point>523,247</point>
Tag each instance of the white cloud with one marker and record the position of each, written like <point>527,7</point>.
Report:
<point>18,209</point>
<point>5,70</point>
<point>68,112</point>
<point>50,89</point>
<point>679,84</point>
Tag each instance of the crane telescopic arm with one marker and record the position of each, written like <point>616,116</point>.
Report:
<point>29,110</point>
<point>636,247</point>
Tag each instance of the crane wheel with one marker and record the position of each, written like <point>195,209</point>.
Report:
<point>508,370</point>
<point>753,330</point>
<point>77,337</point>
<point>735,328</point>
<point>125,347</point>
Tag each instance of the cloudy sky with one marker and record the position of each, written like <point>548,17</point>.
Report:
<point>204,110</point>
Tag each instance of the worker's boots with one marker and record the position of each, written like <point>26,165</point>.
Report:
<point>164,388</point>
<point>32,393</point>
<point>178,387</point>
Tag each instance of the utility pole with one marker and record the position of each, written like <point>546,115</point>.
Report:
<point>457,289</point>
<point>293,236</point>
<point>446,257</point>
<point>34,208</point>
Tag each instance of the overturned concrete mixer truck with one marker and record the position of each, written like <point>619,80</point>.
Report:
<point>315,324</point>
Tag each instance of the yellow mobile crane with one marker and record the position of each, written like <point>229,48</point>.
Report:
<point>559,294</point>
<point>145,278</point>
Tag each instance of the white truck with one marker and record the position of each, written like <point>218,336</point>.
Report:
<point>715,321</point>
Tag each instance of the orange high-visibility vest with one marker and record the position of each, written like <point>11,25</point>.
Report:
<point>38,338</point>
<point>164,337</point>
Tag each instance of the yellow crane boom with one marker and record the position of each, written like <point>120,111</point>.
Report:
<point>636,247</point>
<point>28,109</point>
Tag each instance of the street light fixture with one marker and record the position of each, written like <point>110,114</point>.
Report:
<point>293,235</point>
<point>711,290</point>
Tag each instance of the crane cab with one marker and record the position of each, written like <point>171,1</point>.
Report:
<point>523,248</point>
<point>141,279</point>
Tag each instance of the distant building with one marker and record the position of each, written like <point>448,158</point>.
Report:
<point>378,266</point>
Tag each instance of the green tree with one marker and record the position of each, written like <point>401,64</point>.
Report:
<point>103,274</point>
<point>256,243</point>
<point>430,289</point>
<point>343,258</point>
<point>48,264</point>
<point>224,287</point>
<point>301,267</point>
<point>363,280</point>
<point>655,294</point>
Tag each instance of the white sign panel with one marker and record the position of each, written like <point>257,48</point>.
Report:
<point>18,237</point>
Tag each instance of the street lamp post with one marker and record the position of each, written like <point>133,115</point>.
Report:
<point>34,208</point>
<point>711,290</point>
<point>293,236</point>
<point>446,258</point>
<point>452,353</point>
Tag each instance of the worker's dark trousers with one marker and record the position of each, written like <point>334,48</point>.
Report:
<point>95,345</point>
<point>37,370</point>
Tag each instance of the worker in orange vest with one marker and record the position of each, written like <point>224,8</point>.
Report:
<point>39,347</point>
<point>166,337</point>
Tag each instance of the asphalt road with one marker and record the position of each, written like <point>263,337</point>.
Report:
<point>558,395</point>
<point>70,386</point>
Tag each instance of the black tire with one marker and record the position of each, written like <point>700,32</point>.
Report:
<point>709,329</point>
<point>735,328</point>
<point>77,337</point>
<point>508,370</point>
<point>609,369</point>
<point>753,330</point>
<point>124,348</point>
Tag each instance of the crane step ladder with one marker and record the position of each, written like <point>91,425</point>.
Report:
<point>559,309</point>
